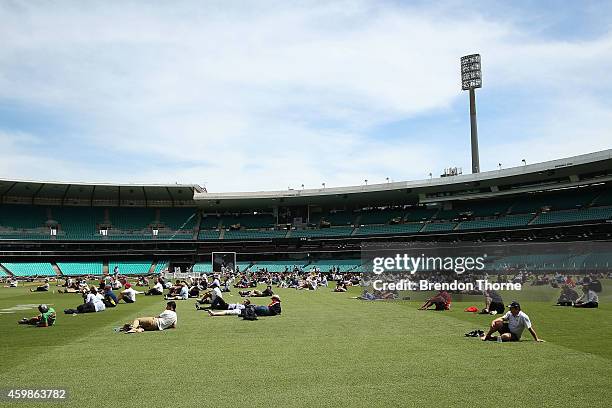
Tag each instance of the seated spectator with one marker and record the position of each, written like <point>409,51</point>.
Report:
<point>214,297</point>
<point>183,294</point>
<point>256,293</point>
<point>157,289</point>
<point>43,288</point>
<point>166,320</point>
<point>567,297</point>
<point>494,303</point>
<point>110,299</point>
<point>442,301</point>
<point>46,318</point>
<point>589,298</point>
<point>340,287</point>
<point>511,325</point>
<point>128,295</point>
<point>93,302</point>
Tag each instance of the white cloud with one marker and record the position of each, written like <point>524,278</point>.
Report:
<point>265,97</point>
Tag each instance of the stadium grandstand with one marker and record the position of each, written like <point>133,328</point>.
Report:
<point>91,228</point>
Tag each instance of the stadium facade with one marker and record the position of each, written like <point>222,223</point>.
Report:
<point>563,200</point>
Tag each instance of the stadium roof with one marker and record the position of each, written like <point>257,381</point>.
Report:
<point>562,173</point>
<point>119,193</point>
<point>566,172</point>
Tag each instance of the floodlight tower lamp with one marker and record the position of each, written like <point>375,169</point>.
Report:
<point>471,78</point>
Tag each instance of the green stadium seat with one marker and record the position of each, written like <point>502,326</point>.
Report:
<point>80,268</point>
<point>30,269</point>
<point>322,232</point>
<point>572,216</point>
<point>388,229</point>
<point>131,267</point>
<point>501,222</point>
<point>439,226</point>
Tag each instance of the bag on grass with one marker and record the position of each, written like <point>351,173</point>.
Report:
<point>248,313</point>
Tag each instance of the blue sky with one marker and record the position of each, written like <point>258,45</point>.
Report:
<point>269,95</point>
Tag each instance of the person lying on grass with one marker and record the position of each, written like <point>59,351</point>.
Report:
<point>166,320</point>
<point>183,294</point>
<point>589,298</point>
<point>46,318</point>
<point>511,325</point>
<point>273,309</point>
<point>256,293</point>
<point>42,288</point>
<point>93,302</point>
<point>233,309</point>
<point>442,301</point>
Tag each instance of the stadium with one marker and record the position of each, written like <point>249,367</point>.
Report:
<point>57,231</point>
<point>408,288</point>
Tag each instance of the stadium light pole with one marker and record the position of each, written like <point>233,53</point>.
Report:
<point>471,78</point>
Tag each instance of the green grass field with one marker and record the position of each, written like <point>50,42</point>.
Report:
<point>326,350</point>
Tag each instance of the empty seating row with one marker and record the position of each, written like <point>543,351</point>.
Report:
<point>80,268</point>
<point>30,268</point>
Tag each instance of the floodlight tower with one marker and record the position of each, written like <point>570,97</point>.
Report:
<point>471,78</point>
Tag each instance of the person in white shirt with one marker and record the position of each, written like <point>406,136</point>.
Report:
<point>214,297</point>
<point>511,325</point>
<point>182,295</point>
<point>43,288</point>
<point>157,289</point>
<point>93,303</point>
<point>589,298</point>
<point>166,320</point>
<point>128,294</point>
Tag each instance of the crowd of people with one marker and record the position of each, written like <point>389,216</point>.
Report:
<point>207,291</point>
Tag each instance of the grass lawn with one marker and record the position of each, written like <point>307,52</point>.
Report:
<point>326,350</point>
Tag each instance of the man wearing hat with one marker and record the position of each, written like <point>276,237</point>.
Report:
<point>45,319</point>
<point>511,325</point>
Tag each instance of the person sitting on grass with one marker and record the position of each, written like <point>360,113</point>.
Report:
<point>157,289</point>
<point>183,294</point>
<point>128,294</point>
<point>567,297</point>
<point>166,320</point>
<point>233,309</point>
<point>110,299</point>
<point>493,303</point>
<point>214,297</point>
<point>42,288</point>
<point>442,301</point>
<point>256,293</point>
<point>45,319</point>
<point>511,325</point>
<point>93,303</point>
<point>340,287</point>
<point>589,298</point>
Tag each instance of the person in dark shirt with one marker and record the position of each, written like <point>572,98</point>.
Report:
<point>273,309</point>
<point>256,293</point>
<point>442,301</point>
<point>110,299</point>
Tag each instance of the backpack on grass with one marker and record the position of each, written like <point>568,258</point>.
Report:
<point>248,313</point>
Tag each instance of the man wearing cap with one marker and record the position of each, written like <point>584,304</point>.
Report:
<point>45,319</point>
<point>511,325</point>
<point>128,294</point>
<point>273,309</point>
